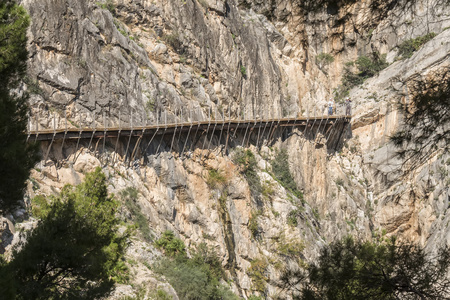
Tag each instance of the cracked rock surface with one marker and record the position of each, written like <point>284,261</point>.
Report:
<point>149,61</point>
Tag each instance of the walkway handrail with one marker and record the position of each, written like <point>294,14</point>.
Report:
<point>291,122</point>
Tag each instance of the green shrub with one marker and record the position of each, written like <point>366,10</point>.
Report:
<point>280,168</point>
<point>121,273</point>
<point>122,31</point>
<point>215,179</point>
<point>292,217</point>
<point>248,165</point>
<point>108,5</point>
<point>39,206</point>
<point>267,189</point>
<point>150,105</point>
<point>253,297</point>
<point>33,86</point>
<point>173,40</point>
<point>205,254</point>
<point>243,71</point>
<point>408,47</point>
<point>162,295</point>
<point>171,245</point>
<point>316,213</point>
<point>291,247</point>
<point>257,271</point>
<point>75,251</point>
<point>196,278</point>
<point>324,59</point>
<point>366,67</point>
<point>253,223</point>
<point>340,181</point>
<point>245,159</point>
<point>370,66</point>
<point>129,197</point>
<point>349,269</point>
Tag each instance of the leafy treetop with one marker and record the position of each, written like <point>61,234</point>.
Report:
<point>76,250</point>
<point>14,22</point>
<point>350,269</point>
<point>17,156</point>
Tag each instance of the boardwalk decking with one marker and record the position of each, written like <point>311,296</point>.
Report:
<point>211,125</point>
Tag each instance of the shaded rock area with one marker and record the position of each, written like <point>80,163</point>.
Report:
<point>168,60</point>
<point>7,231</point>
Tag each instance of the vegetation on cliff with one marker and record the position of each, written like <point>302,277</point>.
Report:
<point>246,160</point>
<point>385,269</point>
<point>408,47</point>
<point>356,72</point>
<point>199,276</point>
<point>129,198</point>
<point>194,277</point>
<point>75,251</point>
<point>281,170</point>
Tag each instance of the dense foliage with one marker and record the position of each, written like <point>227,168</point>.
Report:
<point>426,121</point>
<point>355,73</point>
<point>258,274</point>
<point>14,22</point>
<point>75,251</point>
<point>215,179</point>
<point>354,270</point>
<point>324,59</point>
<point>408,47</point>
<point>170,244</point>
<point>17,157</point>
<point>197,277</point>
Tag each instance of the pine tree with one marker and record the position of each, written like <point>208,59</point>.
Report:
<point>17,156</point>
<point>386,269</point>
<point>75,251</point>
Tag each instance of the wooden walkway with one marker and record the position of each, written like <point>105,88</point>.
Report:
<point>212,125</point>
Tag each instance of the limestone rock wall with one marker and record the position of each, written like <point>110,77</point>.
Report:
<point>149,61</point>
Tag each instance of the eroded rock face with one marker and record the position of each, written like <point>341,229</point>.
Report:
<point>167,60</point>
<point>176,194</point>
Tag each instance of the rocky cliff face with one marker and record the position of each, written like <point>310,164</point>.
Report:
<point>146,61</point>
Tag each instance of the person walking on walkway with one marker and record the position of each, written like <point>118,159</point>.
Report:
<point>348,106</point>
<point>330,107</point>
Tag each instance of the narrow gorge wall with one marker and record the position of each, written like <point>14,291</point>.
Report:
<point>258,59</point>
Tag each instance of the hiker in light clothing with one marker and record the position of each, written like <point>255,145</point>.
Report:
<point>330,107</point>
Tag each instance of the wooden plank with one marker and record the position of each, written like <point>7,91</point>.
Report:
<point>109,132</point>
